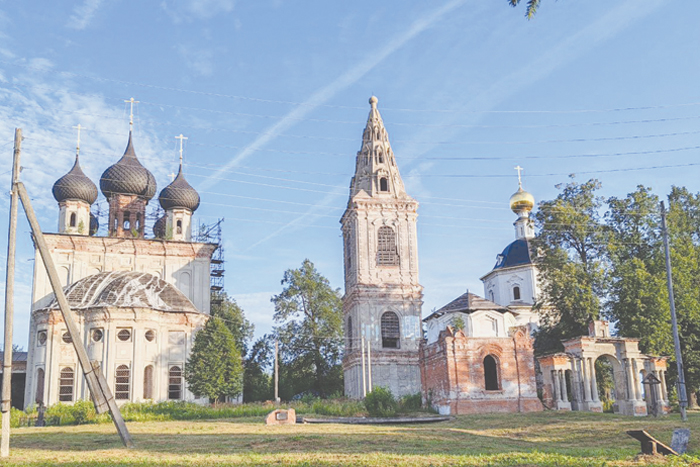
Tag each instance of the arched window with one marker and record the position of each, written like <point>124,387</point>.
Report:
<point>349,333</point>
<point>122,382</point>
<point>179,226</point>
<point>386,247</point>
<point>175,383</point>
<point>491,296</point>
<point>73,219</point>
<point>391,333</point>
<point>138,221</point>
<point>516,293</point>
<point>66,382</point>
<point>148,382</point>
<point>381,158</point>
<point>39,398</point>
<point>383,184</point>
<point>348,250</point>
<point>491,382</point>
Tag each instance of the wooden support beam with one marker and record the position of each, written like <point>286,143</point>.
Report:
<point>99,390</point>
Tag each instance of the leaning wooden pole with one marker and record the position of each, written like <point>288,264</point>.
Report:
<point>9,303</point>
<point>101,394</point>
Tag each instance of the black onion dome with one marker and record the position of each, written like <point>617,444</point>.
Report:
<point>75,185</point>
<point>128,177</point>
<point>179,194</point>
<point>94,224</point>
<point>159,227</point>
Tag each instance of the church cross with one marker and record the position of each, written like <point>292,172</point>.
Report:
<point>172,176</point>
<point>519,169</point>
<point>131,113</point>
<point>181,138</point>
<point>77,147</point>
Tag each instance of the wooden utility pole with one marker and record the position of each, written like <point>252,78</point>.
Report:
<point>364,381</point>
<point>682,396</point>
<point>9,303</point>
<point>277,377</point>
<point>369,366</point>
<point>99,389</point>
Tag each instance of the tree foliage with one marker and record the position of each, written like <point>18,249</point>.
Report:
<point>214,369</point>
<point>569,253</point>
<point>257,382</point>
<point>606,257</point>
<point>309,317</point>
<point>226,309</point>
<point>530,10</point>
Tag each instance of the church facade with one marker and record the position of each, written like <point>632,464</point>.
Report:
<point>383,297</point>
<point>138,301</point>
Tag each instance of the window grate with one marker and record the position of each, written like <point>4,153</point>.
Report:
<point>386,247</point>
<point>390,330</point>
<point>175,383</point>
<point>65,385</point>
<point>122,383</point>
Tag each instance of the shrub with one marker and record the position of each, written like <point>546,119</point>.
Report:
<point>381,403</point>
<point>411,403</point>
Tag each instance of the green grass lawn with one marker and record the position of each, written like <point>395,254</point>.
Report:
<point>508,439</point>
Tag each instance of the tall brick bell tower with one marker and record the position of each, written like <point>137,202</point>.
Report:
<point>383,298</point>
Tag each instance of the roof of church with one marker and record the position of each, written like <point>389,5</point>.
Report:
<point>128,177</point>
<point>125,289</point>
<point>515,254</point>
<point>376,172</point>
<point>75,185</point>
<point>467,303</point>
<point>179,194</point>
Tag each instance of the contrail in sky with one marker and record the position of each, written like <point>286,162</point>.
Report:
<point>321,96</point>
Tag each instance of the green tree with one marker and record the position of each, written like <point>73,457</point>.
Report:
<point>530,10</point>
<point>257,382</point>
<point>226,308</point>
<point>638,297</point>
<point>214,369</point>
<point>570,255</point>
<point>310,331</point>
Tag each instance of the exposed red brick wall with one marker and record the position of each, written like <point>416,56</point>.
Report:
<point>453,375</point>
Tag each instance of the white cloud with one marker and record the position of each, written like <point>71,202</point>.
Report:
<point>200,61</point>
<point>83,14</point>
<point>197,9</point>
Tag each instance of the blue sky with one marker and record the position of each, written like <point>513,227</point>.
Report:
<point>273,98</point>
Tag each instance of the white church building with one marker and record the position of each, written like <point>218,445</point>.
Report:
<point>138,301</point>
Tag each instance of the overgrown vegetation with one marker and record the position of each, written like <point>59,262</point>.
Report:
<point>83,412</point>
<point>380,402</point>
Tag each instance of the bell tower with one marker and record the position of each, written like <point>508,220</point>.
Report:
<point>383,298</point>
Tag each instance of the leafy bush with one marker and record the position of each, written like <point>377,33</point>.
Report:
<point>381,403</point>
<point>81,412</point>
<point>411,403</point>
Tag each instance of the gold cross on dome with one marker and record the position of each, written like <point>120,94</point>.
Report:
<point>172,176</point>
<point>519,169</point>
<point>181,138</point>
<point>77,147</point>
<point>131,113</point>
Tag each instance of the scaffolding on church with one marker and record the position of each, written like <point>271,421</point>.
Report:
<point>211,233</point>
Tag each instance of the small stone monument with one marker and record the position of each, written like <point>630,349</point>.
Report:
<point>281,417</point>
<point>679,442</point>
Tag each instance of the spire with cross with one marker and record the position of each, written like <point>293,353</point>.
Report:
<point>77,147</point>
<point>520,181</point>
<point>181,138</point>
<point>131,112</point>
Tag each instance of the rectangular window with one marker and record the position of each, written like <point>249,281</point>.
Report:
<point>175,382</point>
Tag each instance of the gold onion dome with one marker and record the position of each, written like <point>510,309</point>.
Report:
<point>522,201</point>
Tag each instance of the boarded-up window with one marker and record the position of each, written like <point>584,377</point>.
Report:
<point>349,332</point>
<point>65,385</point>
<point>491,382</point>
<point>175,383</point>
<point>390,330</point>
<point>39,399</point>
<point>386,247</point>
<point>148,382</point>
<point>122,382</point>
